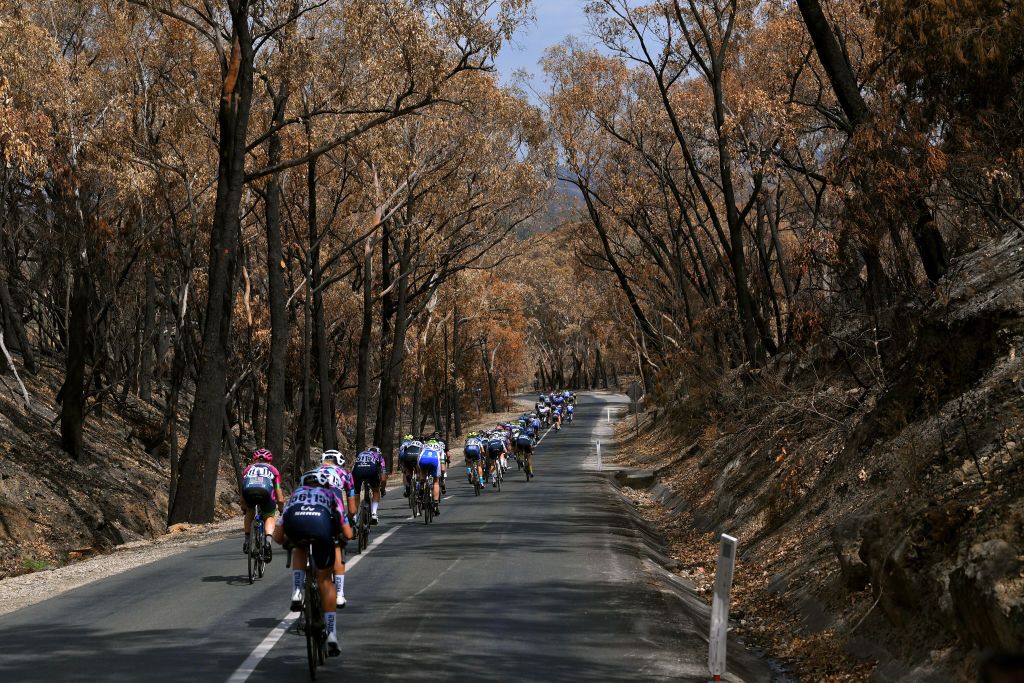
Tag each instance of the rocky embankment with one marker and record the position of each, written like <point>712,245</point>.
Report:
<point>55,510</point>
<point>878,494</point>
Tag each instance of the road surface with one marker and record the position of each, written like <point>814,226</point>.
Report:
<point>540,582</point>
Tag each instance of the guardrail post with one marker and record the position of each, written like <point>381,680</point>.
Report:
<point>720,607</point>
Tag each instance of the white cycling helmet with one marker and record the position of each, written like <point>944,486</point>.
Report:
<point>315,478</point>
<point>334,455</point>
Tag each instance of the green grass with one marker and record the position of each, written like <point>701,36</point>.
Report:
<point>31,564</point>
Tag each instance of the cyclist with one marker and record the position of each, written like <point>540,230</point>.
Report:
<point>474,449</point>
<point>332,463</point>
<point>370,467</point>
<point>437,441</point>
<point>545,415</point>
<point>497,448</point>
<point>315,513</point>
<point>524,445</point>
<point>429,463</point>
<point>408,454</point>
<point>261,488</point>
<point>556,418</point>
<point>570,409</point>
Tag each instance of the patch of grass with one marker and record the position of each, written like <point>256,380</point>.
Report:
<point>31,564</point>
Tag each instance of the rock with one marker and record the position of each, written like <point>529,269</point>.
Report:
<point>1011,445</point>
<point>846,542</point>
<point>987,599</point>
<point>891,558</point>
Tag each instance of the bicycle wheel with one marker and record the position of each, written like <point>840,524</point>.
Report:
<point>312,646</point>
<point>476,485</point>
<point>364,524</point>
<point>261,562</point>
<point>251,559</point>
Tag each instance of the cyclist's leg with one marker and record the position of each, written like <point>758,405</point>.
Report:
<point>339,578</point>
<point>298,577</point>
<point>250,512</point>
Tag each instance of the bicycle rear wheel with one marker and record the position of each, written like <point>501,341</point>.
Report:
<point>252,557</point>
<point>312,637</point>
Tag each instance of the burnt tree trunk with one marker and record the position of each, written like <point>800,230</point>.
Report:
<point>274,421</point>
<point>72,394</point>
<point>196,488</point>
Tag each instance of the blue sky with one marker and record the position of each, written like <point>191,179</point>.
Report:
<point>555,20</point>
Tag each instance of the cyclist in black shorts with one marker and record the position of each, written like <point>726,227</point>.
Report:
<point>370,467</point>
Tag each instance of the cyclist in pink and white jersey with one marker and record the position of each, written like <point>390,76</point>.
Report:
<point>261,488</point>
<point>333,463</point>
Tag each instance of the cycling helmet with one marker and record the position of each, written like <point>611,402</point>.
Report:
<point>263,454</point>
<point>374,449</point>
<point>315,478</point>
<point>435,435</point>
<point>334,455</point>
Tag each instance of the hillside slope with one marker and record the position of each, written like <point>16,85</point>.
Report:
<point>879,502</point>
<point>53,509</point>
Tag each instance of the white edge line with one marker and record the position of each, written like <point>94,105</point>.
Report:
<point>243,672</point>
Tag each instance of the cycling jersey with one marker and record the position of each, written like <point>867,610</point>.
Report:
<point>261,487</point>
<point>368,467</point>
<point>473,448</point>
<point>409,452</point>
<point>341,480</point>
<point>314,515</point>
<point>430,460</point>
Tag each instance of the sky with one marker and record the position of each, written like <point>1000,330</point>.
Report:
<point>555,19</point>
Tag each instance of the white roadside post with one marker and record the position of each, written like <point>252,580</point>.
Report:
<point>609,416</point>
<point>599,467</point>
<point>720,607</point>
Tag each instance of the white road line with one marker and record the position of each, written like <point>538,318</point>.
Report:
<point>243,672</point>
<point>447,497</point>
<point>545,434</point>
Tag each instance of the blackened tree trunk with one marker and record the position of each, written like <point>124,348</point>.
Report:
<point>456,360</point>
<point>363,360</point>
<point>147,350</point>
<point>279,329</point>
<point>72,394</point>
<point>323,362</point>
<point>196,489</point>
<point>392,375</point>
<point>10,319</point>
<point>491,387</point>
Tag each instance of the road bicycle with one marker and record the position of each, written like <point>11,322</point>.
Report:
<point>363,526</point>
<point>311,618</point>
<point>473,473</point>
<point>425,497</point>
<point>257,559</point>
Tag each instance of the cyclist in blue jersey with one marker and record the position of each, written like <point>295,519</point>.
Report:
<point>429,463</point>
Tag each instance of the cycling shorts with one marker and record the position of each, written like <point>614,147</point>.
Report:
<point>525,444</point>
<point>473,452</point>
<point>262,499</point>
<point>314,525</point>
<point>370,473</point>
<point>430,463</point>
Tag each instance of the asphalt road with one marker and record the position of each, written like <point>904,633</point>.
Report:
<point>540,582</point>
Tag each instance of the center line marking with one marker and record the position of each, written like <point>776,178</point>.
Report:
<point>243,672</point>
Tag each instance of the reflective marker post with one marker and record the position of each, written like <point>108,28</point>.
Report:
<point>599,466</point>
<point>609,416</point>
<point>720,607</point>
